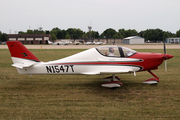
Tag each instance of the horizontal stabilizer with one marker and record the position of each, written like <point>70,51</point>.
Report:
<point>22,65</point>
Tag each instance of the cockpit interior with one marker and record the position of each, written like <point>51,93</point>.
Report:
<point>115,51</point>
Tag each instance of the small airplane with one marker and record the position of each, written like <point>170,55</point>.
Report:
<point>58,43</point>
<point>49,42</point>
<point>100,43</point>
<point>110,59</point>
<point>89,43</point>
<point>78,42</point>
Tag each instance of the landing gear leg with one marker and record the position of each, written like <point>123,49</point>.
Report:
<point>152,81</point>
<point>111,78</point>
<point>114,82</point>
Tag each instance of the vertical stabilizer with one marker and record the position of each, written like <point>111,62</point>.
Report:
<point>18,50</point>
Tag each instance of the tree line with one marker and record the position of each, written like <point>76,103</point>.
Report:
<point>110,33</point>
<point>3,36</point>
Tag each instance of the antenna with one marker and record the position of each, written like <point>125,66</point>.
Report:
<point>89,27</point>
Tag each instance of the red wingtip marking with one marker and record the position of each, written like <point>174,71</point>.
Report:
<point>17,49</point>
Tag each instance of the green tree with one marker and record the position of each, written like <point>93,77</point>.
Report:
<point>79,33</point>
<point>59,35</point>
<point>178,33</point>
<point>21,32</point>
<point>63,34</point>
<point>94,34</point>
<point>119,35</point>
<point>47,32</point>
<point>165,35</point>
<point>141,34</point>
<point>108,33</point>
<point>122,32</point>
<point>67,36</point>
<point>4,37</point>
<point>75,33</point>
<point>72,33</point>
<point>55,31</point>
<point>127,33</point>
<point>153,34</point>
<point>53,37</point>
<point>131,32</point>
<point>115,36</point>
<point>29,32</point>
<point>37,31</point>
<point>84,36</point>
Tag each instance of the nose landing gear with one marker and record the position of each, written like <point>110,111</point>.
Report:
<point>152,81</point>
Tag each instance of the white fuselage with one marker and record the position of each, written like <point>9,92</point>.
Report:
<point>88,62</point>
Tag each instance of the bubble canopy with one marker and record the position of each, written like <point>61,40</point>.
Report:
<point>115,51</point>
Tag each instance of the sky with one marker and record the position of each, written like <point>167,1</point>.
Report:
<point>20,15</point>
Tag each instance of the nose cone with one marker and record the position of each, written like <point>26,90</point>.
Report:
<point>167,56</point>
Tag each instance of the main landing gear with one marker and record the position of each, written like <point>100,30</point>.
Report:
<point>112,82</point>
<point>152,81</point>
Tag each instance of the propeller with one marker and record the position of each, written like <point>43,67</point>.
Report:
<point>165,56</point>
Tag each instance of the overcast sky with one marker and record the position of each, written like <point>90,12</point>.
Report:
<point>20,15</point>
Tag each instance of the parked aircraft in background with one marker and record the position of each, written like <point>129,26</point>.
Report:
<point>95,43</point>
<point>58,43</point>
<point>78,42</point>
<point>89,43</point>
<point>100,60</point>
<point>100,43</point>
<point>49,42</point>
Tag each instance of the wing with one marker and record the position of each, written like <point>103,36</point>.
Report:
<point>110,71</point>
<point>117,71</point>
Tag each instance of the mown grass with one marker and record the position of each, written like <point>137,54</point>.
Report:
<point>82,97</point>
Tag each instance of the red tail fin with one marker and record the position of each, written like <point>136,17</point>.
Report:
<point>17,49</point>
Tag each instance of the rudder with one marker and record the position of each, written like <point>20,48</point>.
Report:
<point>18,50</point>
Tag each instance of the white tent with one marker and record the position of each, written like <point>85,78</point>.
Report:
<point>133,40</point>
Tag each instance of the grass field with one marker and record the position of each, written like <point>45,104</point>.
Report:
<point>82,97</point>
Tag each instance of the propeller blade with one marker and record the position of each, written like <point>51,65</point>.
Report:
<point>164,56</point>
<point>164,48</point>
<point>165,65</point>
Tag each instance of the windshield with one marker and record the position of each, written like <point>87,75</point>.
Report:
<point>128,52</point>
<point>115,51</point>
